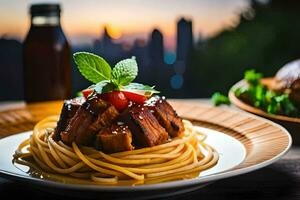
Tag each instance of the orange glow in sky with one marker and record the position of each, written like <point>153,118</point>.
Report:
<point>83,21</point>
<point>114,32</point>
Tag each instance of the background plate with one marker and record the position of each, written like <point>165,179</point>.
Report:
<point>292,124</point>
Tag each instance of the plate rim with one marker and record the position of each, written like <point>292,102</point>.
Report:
<point>160,186</point>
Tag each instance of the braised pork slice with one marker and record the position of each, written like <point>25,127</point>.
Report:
<point>166,116</point>
<point>93,115</point>
<point>67,112</point>
<point>115,138</point>
<point>144,126</point>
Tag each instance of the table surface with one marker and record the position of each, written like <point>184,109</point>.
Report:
<point>280,180</point>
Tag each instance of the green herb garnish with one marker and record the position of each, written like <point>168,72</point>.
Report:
<point>125,71</point>
<point>105,79</point>
<point>79,94</point>
<point>261,97</point>
<point>218,99</point>
<point>140,87</point>
<point>92,67</point>
<point>252,77</point>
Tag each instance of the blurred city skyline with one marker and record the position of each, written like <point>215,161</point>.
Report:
<point>128,21</point>
<point>172,57</point>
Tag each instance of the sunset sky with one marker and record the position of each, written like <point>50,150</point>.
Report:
<point>83,21</point>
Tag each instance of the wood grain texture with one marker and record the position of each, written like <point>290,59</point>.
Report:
<point>23,119</point>
<point>262,138</point>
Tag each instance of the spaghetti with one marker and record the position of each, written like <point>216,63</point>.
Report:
<point>178,158</point>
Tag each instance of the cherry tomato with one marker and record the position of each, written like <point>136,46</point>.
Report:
<point>137,98</point>
<point>116,98</point>
<point>87,92</point>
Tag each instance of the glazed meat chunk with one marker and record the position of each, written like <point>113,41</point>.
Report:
<point>146,130</point>
<point>115,138</point>
<point>92,116</point>
<point>69,109</point>
<point>168,118</point>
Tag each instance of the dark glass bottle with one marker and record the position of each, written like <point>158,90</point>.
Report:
<point>46,56</point>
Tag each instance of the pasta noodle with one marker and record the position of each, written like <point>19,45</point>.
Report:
<point>179,158</point>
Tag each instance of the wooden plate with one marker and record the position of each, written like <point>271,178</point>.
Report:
<point>263,142</point>
<point>290,123</point>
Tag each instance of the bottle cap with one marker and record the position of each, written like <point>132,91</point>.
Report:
<point>45,9</point>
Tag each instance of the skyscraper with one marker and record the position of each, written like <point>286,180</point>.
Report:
<point>159,73</point>
<point>183,49</point>
<point>140,51</point>
<point>156,48</point>
<point>156,56</point>
<point>108,48</point>
<point>184,39</point>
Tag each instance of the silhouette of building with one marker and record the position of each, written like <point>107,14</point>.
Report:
<point>184,39</point>
<point>11,70</point>
<point>156,48</point>
<point>109,49</point>
<point>156,56</point>
<point>184,48</point>
<point>141,53</point>
<point>160,72</point>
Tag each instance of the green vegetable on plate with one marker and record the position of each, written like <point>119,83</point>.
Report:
<point>218,99</point>
<point>258,95</point>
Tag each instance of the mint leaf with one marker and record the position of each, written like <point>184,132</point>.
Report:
<point>104,86</point>
<point>140,87</point>
<point>99,86</point>
<point>92,67</point>
<point>125,71</point>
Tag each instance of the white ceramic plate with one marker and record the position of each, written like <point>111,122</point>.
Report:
<point>232,154</point>
<point>245,143</point>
